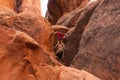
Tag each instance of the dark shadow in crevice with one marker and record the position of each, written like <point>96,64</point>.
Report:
<point>18,5</point>
<point>60,55</point>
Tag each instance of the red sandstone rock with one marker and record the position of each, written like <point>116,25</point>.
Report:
<point>99,51</point>
<point>70,19</point>
<point>60,28</point>
<point>8,3</point>
<point>22,58</point>
<point>28,21</point>
<point>29,6</point>
<point>25,46</point>
<point>35,26</point>
<point>6,16</point>
<point>57,8</point>
<point>73,74</point>
<point>72,40</point>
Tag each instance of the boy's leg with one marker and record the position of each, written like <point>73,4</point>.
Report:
<point>57,44</point>
<point>62,44</point>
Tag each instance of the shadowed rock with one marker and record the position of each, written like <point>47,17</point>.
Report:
<point>72,40</point>
<point>57,8</point>
<point>99,51</point>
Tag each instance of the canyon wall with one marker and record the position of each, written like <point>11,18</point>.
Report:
<point>26,46</point>
<point>92,42</point>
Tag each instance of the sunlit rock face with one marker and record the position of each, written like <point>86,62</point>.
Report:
<point>27,18</point>
<point>30,6</point>
<point>8,3</point>
<point>25,45</point>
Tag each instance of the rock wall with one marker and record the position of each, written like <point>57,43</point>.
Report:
<point>57,8</point>
<point>92,42</point>
<point>72,41</point>
<point>28,21</point>
<point>25,45</point>
<point>28,6</point>
<point>99,47</point>
<point>8,3</point>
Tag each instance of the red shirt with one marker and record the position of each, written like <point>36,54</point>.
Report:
<point>60,35</point>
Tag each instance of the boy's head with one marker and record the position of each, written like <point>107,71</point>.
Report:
<point>60,31</point>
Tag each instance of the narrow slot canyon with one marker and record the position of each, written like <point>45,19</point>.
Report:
<point>72,40</point>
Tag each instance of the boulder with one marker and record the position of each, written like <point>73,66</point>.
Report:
<point>22,58</point>
<point>35,26</point>
<point>99,51</point>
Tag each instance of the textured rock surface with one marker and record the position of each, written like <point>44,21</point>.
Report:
<point>36,26</point>
<point>25,45</point>
<point>29,6</point>
<point>22,58</point>
<point>70,19</point>
<point>28,21</point>
<point>73,38</point>
<point>99,51</point>
<point>56,8</point>
<point>73,74</point>
<point>60,28</point>
<point>8,3</point>
<point>6,16</point>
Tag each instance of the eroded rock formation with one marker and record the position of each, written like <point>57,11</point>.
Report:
<point>100,49</point>
<point>57,8</point>
<point>22,58</point>
<point>93,37</point>
<point>8,3</point>
<point>28,21</point>
<point>28,6</point>
<point>73,39</point>
<point>25,45</point>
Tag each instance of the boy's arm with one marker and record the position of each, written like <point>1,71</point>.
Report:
<point>55,32</point>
